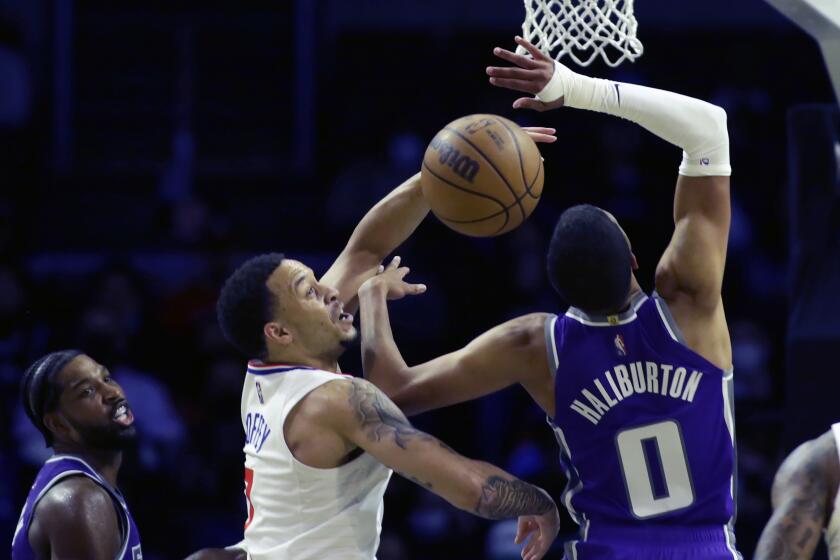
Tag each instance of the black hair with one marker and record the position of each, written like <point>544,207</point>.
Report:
<point>39,390</point>
<point>246,304</point>
<point>589,260</point>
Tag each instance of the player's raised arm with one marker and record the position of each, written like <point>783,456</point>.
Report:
<point>384,228</point>
<point>802,500</point>
<point>694,261</point>
<point>513,352</point>
<point>365,417</point>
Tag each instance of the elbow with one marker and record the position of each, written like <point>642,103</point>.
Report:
<point>714,125</point>
<point>709,127</point>
<point>719,118</point>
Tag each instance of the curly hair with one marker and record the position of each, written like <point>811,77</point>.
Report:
<point>245,304</point>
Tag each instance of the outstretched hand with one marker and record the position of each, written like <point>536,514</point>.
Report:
<point>530,75</point>
<point>542,530</point>
<point>391,278</point>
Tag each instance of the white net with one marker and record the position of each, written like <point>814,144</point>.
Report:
<point>583,29</point>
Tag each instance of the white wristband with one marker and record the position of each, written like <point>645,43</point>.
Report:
<point>578,91</point>
<point>554,89</point>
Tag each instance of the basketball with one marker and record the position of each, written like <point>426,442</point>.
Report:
<point>482,175</point>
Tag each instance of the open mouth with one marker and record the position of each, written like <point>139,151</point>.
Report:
<point>338,316</point>
<point>122,414</point>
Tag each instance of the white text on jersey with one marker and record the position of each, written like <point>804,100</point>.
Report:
<point>633,379</point>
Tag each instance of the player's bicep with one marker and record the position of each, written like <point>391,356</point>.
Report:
<point>80,521</point>
<point>694,261</point>
<point>370,420</point>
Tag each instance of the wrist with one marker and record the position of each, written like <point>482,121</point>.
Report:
<point>577,90</point>
<point>373,288</point>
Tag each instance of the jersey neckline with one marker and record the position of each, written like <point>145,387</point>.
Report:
<point>257,367</point>
<point>595,320</point>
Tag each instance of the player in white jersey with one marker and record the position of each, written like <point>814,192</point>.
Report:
<point>320,446</point>
<point>805,502</point>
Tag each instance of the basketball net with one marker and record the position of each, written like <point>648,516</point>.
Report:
<point>583,30</point>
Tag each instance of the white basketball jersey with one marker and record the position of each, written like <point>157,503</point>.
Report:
<point>832,529</point>
<point>297,512</point>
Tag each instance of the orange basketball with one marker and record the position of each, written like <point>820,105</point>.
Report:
<point>482,175</point>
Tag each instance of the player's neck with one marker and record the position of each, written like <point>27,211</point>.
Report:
<point>105,462</point>
<point>635,288</point>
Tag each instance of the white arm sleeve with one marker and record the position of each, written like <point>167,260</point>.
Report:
<point>698,127</point>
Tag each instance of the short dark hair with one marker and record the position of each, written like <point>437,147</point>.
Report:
<point>40,392</point>
<point>589,260</point>
<point>246,304</point>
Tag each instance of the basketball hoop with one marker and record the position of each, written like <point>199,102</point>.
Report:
<point>821,20</point>
<point>583,30</point>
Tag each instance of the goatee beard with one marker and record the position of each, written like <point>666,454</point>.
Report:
<point>110,438</point>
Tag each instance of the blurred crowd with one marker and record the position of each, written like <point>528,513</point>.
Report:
<point>122,255</point>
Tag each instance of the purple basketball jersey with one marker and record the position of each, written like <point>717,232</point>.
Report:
<point>56,469</point>
<point>646,433</point>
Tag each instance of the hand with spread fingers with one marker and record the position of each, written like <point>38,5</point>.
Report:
<point>530,75</point>
<point>392,279</point>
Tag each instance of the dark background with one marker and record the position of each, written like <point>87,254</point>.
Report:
<point>146,149</point>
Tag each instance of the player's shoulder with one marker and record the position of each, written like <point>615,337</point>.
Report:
<point>332,403</point>
<point>525,331</point>
<point>76,501</point>
<point>813,460</point>
<point>821,450</point>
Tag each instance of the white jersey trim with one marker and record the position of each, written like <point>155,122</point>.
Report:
<point>591,320</point>
<point>551,345</point>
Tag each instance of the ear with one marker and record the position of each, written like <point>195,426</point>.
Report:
<point>634,264</point>
<point>57,425</point>
<point>278,334</point>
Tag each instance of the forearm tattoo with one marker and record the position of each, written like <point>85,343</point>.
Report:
<point>503,499</point>
<point>794,530</point>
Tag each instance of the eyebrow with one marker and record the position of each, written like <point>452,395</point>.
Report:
<point>79,382</point>
<point>101,369</point>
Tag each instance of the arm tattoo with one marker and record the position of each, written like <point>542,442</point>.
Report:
<point>381,420</point>
<point>503,499</point>
<point>424,483</point>
<point>379,417</point>
<point>793,531</point>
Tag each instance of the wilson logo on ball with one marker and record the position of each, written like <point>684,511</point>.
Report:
<point>462,165</point>
<point>474,127</point>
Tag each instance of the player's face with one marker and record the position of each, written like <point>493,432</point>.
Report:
<point>310,311</point>
<point>93,406</point>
